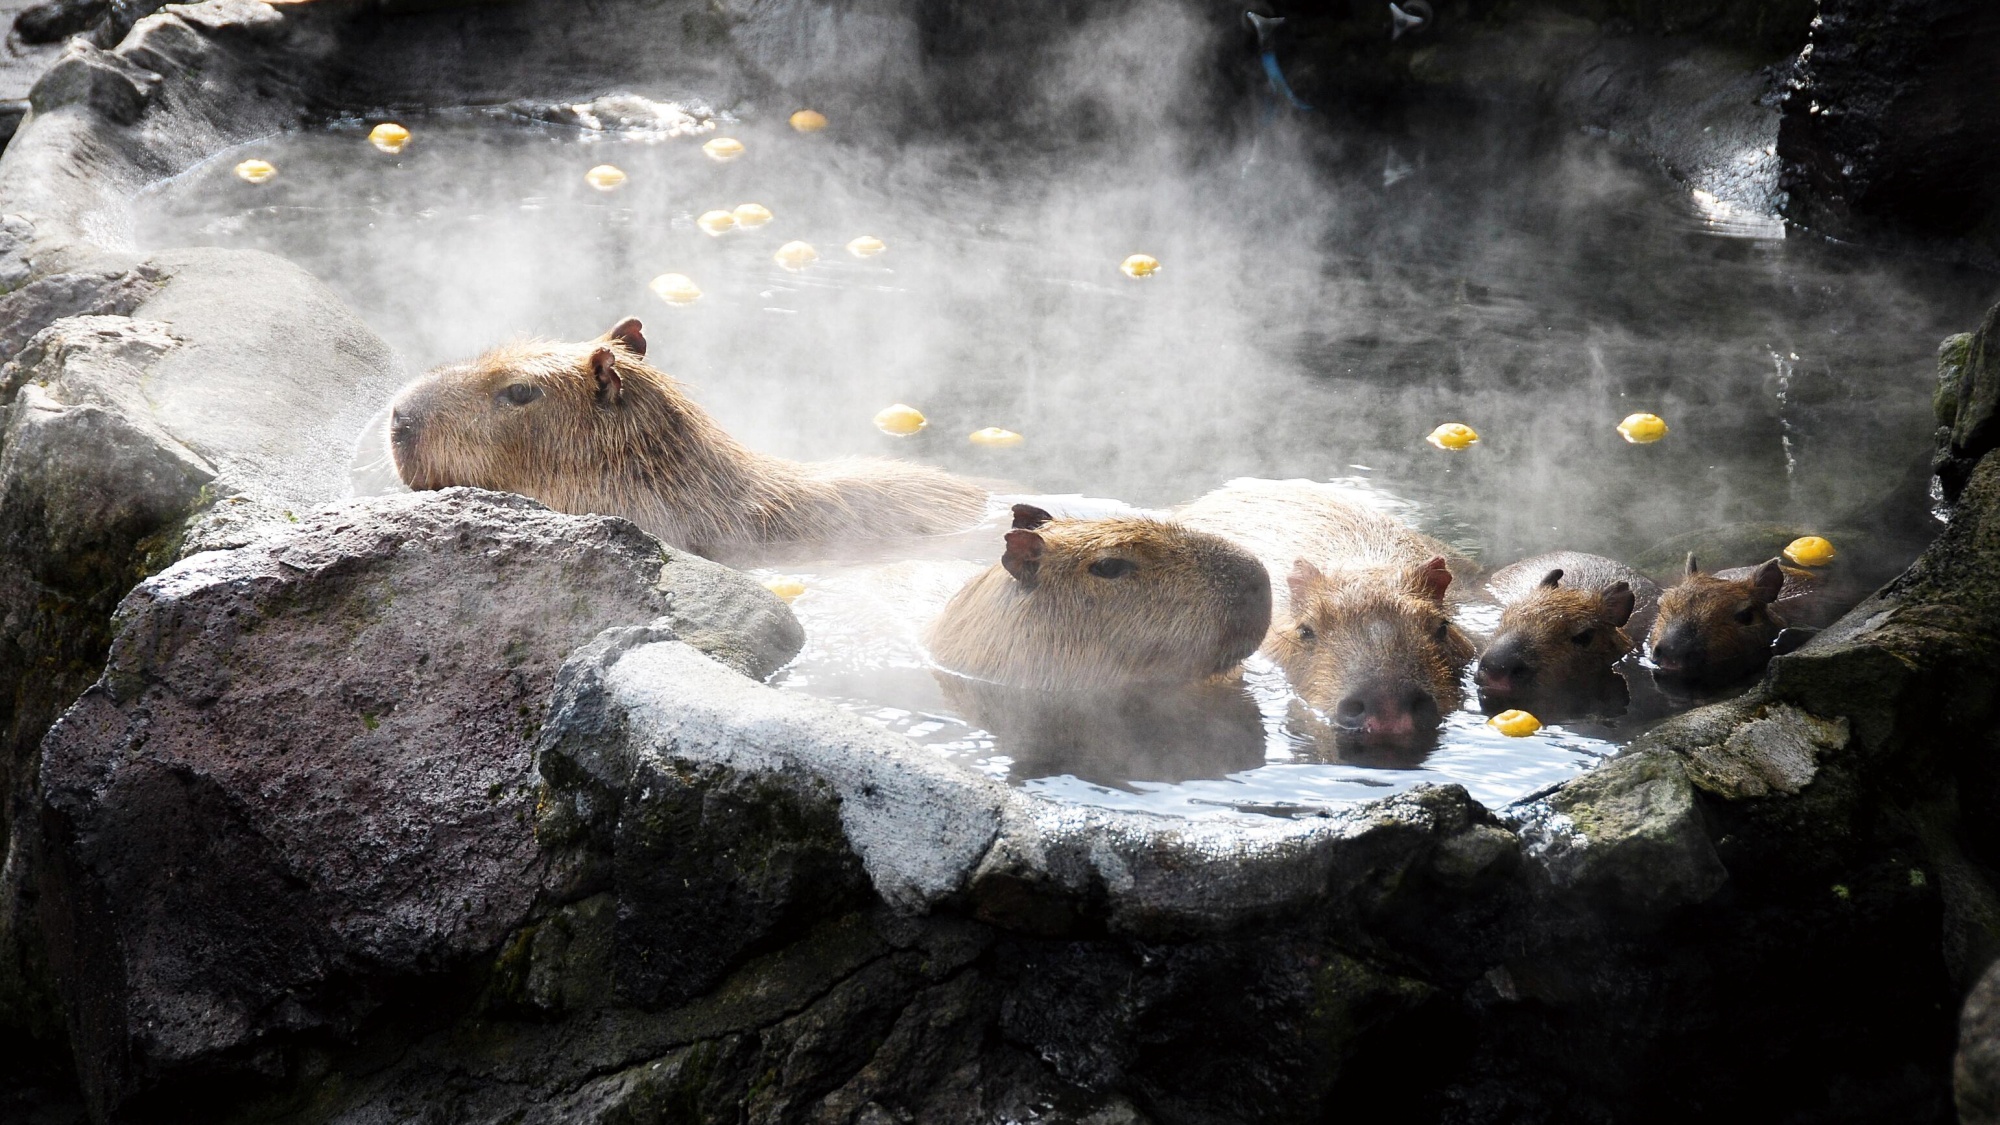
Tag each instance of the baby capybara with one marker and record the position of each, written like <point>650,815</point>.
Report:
<point>1566,619</point>
<point>1090,605</point>
<point>1363,632</point>
<point>1714,629</point>
<point>592,428</point>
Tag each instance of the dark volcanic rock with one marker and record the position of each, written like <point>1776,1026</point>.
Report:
<point>306,771</point>
<point>1968,403</point>
<point>1888,126</point>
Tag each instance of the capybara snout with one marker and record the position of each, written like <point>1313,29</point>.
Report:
<point>1389,708</point>
<point>1713,629</point>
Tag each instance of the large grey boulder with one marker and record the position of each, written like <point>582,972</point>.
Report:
<point>211,397</point>
<point>306,772</point>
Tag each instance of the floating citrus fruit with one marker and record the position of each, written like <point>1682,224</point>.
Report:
<point>605,177</point>
<point>786,587</point>
<point>795,256</point>
<point>675,289</point>
<point>1642,429</point>
<point>867,246</point>
<point>751,215</point>
<point>900,420</point>
<point>723,149</point>
<point>1453,435</point>
<point>994,436</point>
<point>808,121</point>
<point>1139,265</point>
<point>716,222</point>
<point>389,137</point>
<point>256,171</point>
<point>1810,550</point>
<point>1515,724</point>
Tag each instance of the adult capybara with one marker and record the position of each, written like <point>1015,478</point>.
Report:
<point>592,428</point>
<point>1086,605</point>
<point>1363,631</point>
<point>1714,629</point>
<point>1566,619</point>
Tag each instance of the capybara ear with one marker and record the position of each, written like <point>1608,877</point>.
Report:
<point>1023,559</point>
<point>630,333</point>
<point>1618,603</point>
<point>1436,577</point>
<point>1693,568</point>
<point>1027,517</point>
<point>1302,579</point>
<point>1767,583</point>
<point>1552,579</point>
<point>604,365</point>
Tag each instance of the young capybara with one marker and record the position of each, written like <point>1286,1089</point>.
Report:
<point>1363,631</point>
<point>1714,629</point>
<point>1566,619</point>
<point>1088,605</point>
<point>592,428</point>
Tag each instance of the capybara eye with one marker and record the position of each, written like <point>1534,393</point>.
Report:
<point>1442,631</point>
<point>1113,568</point>
<point>1747,615</point>
<point>1306,633</point>
<point>519,394</point>
<point>1584,638</point>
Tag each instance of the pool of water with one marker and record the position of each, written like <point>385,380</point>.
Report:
<point>1327,296</point>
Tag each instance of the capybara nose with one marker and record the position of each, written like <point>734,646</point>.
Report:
<point>1676,650</point>
<point>1500,669</point>
<point>1387,710</point>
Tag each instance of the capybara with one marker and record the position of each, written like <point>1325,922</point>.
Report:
<point>1714,629</point>
<point>592,428</point>
<point>1085,605</point>
<point>1363,631</point>
<point>1566,619</point>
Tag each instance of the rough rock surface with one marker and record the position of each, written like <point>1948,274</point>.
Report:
<point>115,461</point>
<point>1888,128</point>
<point>305,773</point>
<point>1976,1070</point>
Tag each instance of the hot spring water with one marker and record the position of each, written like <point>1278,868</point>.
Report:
<point>1319,310</point>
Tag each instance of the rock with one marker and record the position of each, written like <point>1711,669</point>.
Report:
<point>16,234</point>
<point>1772,749</point>
<point>55,20</point>
<point>649,742</point>
<point>33,307</point>
<point>1887,129</point>
<point>106,82</point>
<point>1631,828</point>
<point>1967,403</point>
<point>306,771</point>
<point>1975,1072</point>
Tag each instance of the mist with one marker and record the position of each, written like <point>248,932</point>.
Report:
<point>1331,290</point>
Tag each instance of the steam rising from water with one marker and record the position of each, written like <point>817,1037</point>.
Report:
<point>1315,313</point>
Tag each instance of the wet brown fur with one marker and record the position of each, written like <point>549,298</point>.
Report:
<point>1367,607</point>
<point>1562,628</point>
<point>1713,629</point>
<point>1193,606</point>
<point>630,442</point>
